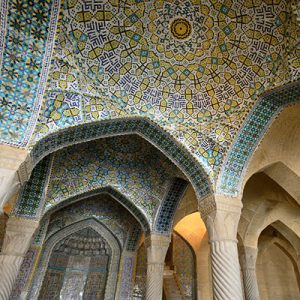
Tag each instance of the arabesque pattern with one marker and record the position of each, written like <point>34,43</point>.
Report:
<point>119,59</point>
<point>130,165</point>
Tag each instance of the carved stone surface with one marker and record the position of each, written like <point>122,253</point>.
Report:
<point>16,243</point>
<point>157,247</point>
<point>248,264</point>
<point>221,218</point>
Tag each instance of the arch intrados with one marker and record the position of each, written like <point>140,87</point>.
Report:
<point>63,233</point>
<point>113,193</point>
<point>265,225</point>
<point>264,169</point>
<point>87,219</point>
<point>288,234</point>
<point>140,126</point>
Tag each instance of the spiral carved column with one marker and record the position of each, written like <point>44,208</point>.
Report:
<point>16,243</point>
<point>221,216</point>
<point>248,262</point>
<point>157,247</point>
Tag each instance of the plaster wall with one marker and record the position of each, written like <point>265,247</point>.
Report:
<point>275,275</point>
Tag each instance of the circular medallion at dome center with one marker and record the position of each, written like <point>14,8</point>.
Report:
<point>181,28</point>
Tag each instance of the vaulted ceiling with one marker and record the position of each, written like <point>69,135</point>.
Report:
<point>195,68</point>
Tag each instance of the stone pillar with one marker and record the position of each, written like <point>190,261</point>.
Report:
<point>248,264</point>
<point>157,247</point>
<point>221,216</point>
<point>16,243</point>
<point>15,169</point>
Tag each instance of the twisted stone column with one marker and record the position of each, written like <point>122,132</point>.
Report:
<point>15,169</point>
<point>248,264</point>
<point>16,243</point>
<point>157,247</point>
<point>221,216</point>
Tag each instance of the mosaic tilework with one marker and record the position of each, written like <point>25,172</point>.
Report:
<point>26,53</point>
<point>179,155</point>
<point>60,235</point>
<point>250,135</point>
<point>139,171</point>
<point>102,208</point>
<point>76,260</point>
<point>184,261</point>
<point>127,273</point>
<point>33,193</point>
<point>134,238</point>
<point>113,193</point>
<point>167,209</point>
<point>119,59</point>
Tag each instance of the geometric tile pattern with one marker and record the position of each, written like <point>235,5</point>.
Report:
<point>128,164</point>
<point>167,209</point>
<point>133,238</point>
<point>153,133</point>
<point>26,42</point>
<point>33,193</point>
<point>252,132</point>
<point>120,59</point>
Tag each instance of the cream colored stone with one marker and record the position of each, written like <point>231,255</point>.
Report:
<point>157,247</point>
<point>15,170</point>
<point>16,243</point>
<point>221,218</point>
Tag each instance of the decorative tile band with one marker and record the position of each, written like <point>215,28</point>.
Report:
<point>164,219</point>
<point>133,239</point>
<point>33,193</point>
<point>250,135</point>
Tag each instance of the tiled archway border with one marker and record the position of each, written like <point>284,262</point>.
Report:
<point>250,135</point>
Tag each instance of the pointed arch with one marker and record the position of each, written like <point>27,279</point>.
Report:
<point>116,195</point>
<point>143,127</point>
<point>53,240</point>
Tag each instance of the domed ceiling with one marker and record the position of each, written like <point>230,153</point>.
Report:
<point>195,68</point>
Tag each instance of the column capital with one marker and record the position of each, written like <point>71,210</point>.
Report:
<point>16,159</point>
<point>157,240</point>
<point>221,215</point>
<point>15,169</point>
<point>157,247</point>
